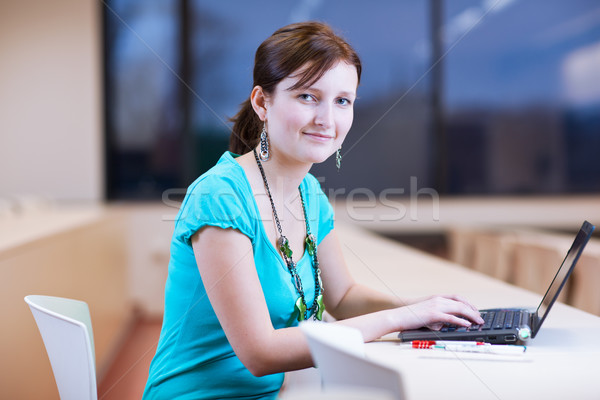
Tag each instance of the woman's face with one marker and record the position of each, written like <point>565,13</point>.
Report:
<point>307,125</point>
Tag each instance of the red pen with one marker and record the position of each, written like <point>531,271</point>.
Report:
<point>428,344</point>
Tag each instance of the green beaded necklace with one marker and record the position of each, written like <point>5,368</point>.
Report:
<point>300,307</point>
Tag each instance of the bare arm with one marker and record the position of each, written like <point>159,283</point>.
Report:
<point>344,297</point>
<point>226,264</point>
<point>375,313</point>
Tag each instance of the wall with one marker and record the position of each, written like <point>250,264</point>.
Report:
<point>74,254</point>
<point>150,227</point>
<point>50,101</point>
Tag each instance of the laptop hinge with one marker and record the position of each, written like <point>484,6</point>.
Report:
<point>534,321</point>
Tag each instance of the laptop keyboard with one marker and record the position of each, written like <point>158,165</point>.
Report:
<point>499,319</point>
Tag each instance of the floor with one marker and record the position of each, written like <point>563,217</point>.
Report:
<point>126,378</point>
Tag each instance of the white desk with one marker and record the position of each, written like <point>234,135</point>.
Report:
<point>561,362</point>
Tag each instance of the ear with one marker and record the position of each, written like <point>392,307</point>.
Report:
<point>258,99</point>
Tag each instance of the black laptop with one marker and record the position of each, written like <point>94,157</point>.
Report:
<point>510,325</point>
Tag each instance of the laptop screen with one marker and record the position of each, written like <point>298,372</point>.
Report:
<point>563,273</point>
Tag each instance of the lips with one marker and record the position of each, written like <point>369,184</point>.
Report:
<point>319,136</point>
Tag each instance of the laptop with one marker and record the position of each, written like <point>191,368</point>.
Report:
<point>511,325</point>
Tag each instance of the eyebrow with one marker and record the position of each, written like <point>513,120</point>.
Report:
<point>348,94</point>
<point>343,93</point>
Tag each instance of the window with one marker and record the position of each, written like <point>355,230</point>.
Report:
<point>504,100</point>
<point>522,96</point>
<point>143,98</point>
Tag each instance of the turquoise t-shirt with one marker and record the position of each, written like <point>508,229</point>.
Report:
<point>194,360</point>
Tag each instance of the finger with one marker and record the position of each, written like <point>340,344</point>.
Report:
<point>462,300</point>
<point>459,308</point>
<point>455,320</point>
<point>473,315</point>
<point>446,318</point>
<point>435,326</point>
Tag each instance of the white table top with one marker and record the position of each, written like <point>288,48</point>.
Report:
<point>561,362</point>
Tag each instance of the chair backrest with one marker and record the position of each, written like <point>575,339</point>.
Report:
<point>338,353</point>
<point>339,393</point>
<point>66,329</point>
<point>535,264</point>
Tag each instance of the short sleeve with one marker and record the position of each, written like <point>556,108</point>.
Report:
<point>321,210</point>
<point>215,200</point>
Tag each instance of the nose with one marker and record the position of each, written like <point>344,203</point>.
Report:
<point>324,116</point>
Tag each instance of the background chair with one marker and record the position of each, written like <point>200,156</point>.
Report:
<point>461,243</point>
<point>66,329</point>
<point>493,253</point>
<point>338,353</point>
<point>536,263</point>
<point>586,280</point>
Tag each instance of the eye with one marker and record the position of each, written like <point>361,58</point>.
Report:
<point>306,97</point>
<point>344,101</point>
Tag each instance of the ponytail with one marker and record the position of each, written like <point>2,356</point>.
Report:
<point>246,129</point>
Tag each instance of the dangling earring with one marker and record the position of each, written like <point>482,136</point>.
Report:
<point>338,158</point>
<point>264,145</point>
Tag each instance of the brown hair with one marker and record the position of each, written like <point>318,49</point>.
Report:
<point>310,44</point>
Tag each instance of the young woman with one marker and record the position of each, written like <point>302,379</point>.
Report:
<point>254,250</point>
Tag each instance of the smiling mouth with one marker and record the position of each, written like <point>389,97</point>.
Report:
<point>319,136</point>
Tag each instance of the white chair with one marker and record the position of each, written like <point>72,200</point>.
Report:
<point>336,394</point>
<point>66,329</point>
<point>338,353</point>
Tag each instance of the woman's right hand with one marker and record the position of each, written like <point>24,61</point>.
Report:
<point>435,311</point>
